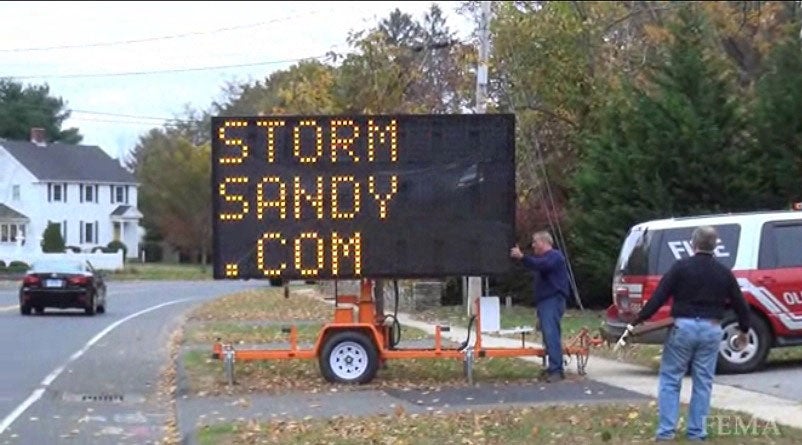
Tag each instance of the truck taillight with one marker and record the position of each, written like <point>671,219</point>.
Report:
<point>622,298</point>
<point>31,280</point>
<point>628,296</point>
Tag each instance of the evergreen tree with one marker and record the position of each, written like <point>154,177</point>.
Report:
<point>779,127</point>
<point>52,242</point>
<point>673,144</point>
<point>24,108</point>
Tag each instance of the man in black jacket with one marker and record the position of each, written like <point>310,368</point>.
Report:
<point>702,288</point>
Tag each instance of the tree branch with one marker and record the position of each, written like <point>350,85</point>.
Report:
<point>636,12</point>
<point>548,112</point>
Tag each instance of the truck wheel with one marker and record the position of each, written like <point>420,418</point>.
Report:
<point>349,357</point>
<point>750,358</point>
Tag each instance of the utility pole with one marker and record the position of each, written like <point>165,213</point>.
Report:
<point>474,285</point>
<point>484,55</point>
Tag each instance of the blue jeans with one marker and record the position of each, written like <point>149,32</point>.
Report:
<point>550,313</point>
<point>692,342</point>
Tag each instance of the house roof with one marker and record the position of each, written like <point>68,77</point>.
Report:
<point>9,214</point>
<point>128,212</point>
<point>120,210</point>
<point>65,162</point>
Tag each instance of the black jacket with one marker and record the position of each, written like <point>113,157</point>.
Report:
<point>702,287</point>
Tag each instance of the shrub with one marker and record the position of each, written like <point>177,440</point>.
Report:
<point>18,266</point>
<point>116,245</point>
<point>52,242</point>
<point>154,253</point>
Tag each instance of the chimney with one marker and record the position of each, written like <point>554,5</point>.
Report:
<point>38,136</point>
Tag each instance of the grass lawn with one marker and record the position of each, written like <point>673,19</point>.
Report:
<point>161,271</point>
<point>573,321</point>
<point>582,424</point>
<point>257,316</point>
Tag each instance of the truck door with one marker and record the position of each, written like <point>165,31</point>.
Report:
<point>779,273</point>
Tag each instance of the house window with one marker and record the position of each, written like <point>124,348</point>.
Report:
<point>57,192</point>
<point>15,192</point>
<point>89,233</point>
<point>119,194</point>
<point>10,233</point>
<point>89,193</point>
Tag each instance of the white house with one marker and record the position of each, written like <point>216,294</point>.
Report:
<point>80,188</point>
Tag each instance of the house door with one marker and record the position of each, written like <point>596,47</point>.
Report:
<point>117,231</point>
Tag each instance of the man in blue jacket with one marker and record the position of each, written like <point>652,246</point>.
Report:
<point>551,290</point>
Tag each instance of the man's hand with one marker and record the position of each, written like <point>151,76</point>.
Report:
<point>516,253</point>
<point>741,340</point>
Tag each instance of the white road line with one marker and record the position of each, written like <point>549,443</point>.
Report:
<point>37,393</point>
<point>15,307</point>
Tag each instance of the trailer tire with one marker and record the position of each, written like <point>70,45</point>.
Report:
<point>349,357</point>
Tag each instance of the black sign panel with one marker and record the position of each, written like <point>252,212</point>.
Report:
<point>325,197</point>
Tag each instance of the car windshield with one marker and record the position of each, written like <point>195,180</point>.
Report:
<point>57,266</point>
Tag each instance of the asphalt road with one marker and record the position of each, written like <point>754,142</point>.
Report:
<point>68,376</point>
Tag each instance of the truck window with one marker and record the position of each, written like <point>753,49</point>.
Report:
<point>635,252</point>
<point>779,245</point>
<point>675,244</point>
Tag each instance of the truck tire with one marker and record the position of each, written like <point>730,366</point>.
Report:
<point>732,361</point>
<point>349,357</point>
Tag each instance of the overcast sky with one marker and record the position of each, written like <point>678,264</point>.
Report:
<point>86,52</point>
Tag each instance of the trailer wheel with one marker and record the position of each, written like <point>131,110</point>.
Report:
<point>349,357</point>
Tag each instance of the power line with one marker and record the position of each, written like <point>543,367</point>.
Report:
<point>133,116</point>
<point>113,121</point>
<point>156,38</point>
<point>167,71</point>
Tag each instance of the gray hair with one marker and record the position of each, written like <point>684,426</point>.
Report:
<point>544,236</point>
<point>704,239</point>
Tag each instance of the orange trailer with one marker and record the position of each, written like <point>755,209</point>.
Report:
<point>351,348</point>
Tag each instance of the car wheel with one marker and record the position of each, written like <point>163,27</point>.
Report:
<point>24,309</point>
<point>349,357</point>
<point>732,360</point>
<point>92,308</point>
<point>101,308</point>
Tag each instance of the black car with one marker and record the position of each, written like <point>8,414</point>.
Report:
<point>62,283</point>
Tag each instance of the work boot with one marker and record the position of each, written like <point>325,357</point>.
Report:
<point>556,377</point>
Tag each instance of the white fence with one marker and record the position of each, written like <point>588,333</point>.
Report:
<point>104,261</point>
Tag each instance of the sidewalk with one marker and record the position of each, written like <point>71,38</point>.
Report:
<point>644,381</point>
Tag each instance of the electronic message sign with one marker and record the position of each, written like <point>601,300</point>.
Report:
<point>344,197</point>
